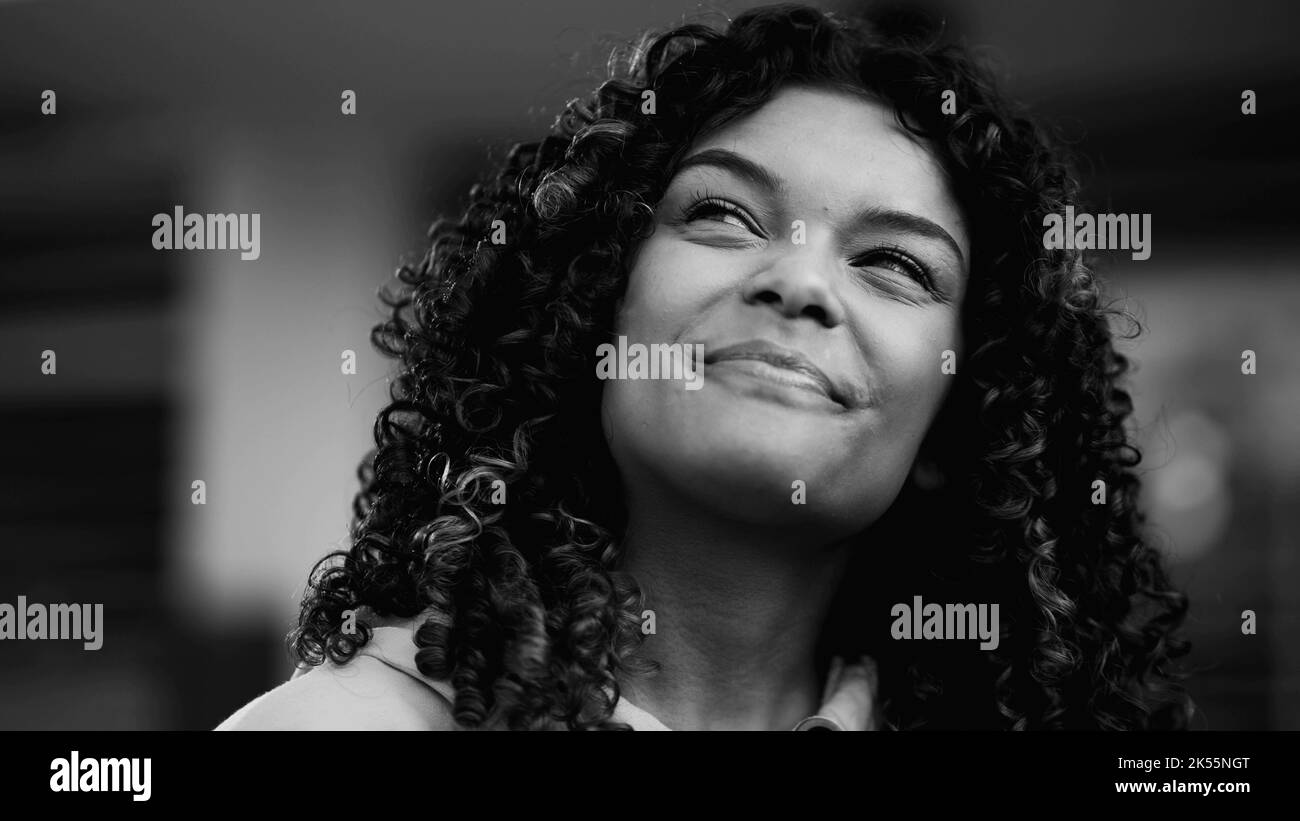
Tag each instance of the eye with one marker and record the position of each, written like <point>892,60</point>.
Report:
<point>720,210</point>
<point>895,259</point>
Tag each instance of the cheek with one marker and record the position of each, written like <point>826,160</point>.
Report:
<point>670,285</point>
<point>916,362</point>
<point>873,464</point>
<point>645,303</point>
<point>658,306</point>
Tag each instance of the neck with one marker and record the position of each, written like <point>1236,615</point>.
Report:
<point>738,609</point>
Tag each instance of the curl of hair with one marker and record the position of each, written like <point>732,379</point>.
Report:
<point>522,606</point>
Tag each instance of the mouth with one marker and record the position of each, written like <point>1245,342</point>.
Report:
<point>778,364</point>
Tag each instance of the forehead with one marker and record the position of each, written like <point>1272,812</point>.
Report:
<point>837,152</point>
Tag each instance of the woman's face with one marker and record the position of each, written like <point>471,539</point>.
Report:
<point>813,248</point>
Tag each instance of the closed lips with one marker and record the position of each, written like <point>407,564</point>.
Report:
<point>778,357</point>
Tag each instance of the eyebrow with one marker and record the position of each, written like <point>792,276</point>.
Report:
<point>742,167</point>
<point>773,185</point>
<point>908,222</point>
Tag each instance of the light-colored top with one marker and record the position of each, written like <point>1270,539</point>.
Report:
<point>373,702</point>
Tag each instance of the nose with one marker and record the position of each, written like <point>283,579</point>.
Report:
<point>799,284</point>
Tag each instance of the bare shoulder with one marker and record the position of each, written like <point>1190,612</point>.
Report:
<point>363,694</point>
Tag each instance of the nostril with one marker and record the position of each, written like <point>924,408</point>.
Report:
<point>818,313</point>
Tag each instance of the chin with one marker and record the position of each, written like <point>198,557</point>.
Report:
<point>740,457</point>
<point>747,472</point>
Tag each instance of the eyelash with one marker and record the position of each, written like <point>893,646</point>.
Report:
<point>916,270</point>
<point>702,202</point>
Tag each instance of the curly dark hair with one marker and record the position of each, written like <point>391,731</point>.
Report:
<point>524,608</point>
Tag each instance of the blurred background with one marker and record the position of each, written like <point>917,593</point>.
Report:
<point>175,366</point>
